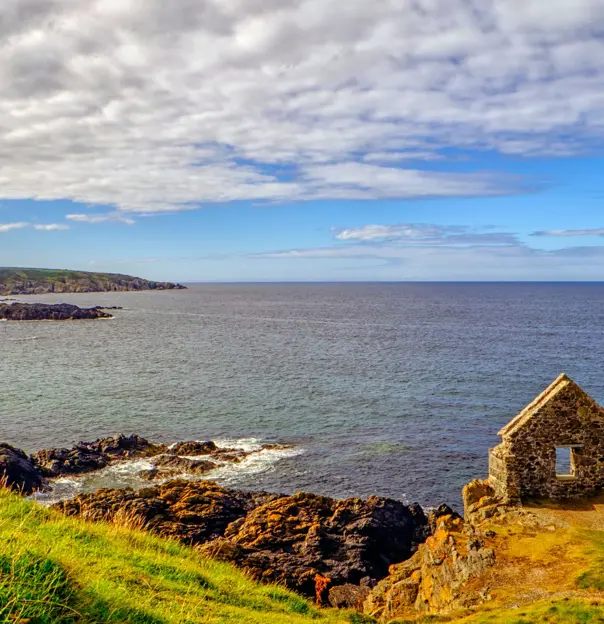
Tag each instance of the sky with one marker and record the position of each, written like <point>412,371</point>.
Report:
<point>303,140</point>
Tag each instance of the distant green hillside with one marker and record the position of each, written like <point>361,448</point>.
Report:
<point>20,281</point>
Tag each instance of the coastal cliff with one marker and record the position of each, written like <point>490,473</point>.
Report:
<point>377,560</point>
<point>22,281</point>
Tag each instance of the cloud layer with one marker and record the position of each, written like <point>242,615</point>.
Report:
<point>100,218</point>
<point>21,225</point>
<point>148,105</point>
<point>425,251</point>
<point>426,234</point>
<point>589,232</point>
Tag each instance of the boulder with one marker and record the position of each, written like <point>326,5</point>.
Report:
<point>18,472</point>
<point>348,596</point>
<point>173,463</point>
<point>89,456</point>
<point>193,448</point>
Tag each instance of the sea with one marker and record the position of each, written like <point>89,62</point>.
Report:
<point>387,389</point>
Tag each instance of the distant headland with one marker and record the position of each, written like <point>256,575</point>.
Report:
<point>22,281</point>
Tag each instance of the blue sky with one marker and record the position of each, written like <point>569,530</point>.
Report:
<point>304,140</point>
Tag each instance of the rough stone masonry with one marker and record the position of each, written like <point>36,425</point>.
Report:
<point>524,464</point>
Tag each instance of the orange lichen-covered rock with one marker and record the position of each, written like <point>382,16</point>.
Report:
<point>436,578</point>
<point>296,539</point>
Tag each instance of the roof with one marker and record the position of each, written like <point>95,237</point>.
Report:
<point>562,384</point>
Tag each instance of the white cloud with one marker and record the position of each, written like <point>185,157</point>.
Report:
<point>21,225</point>
<point>100,218</point>
<point>588,232</point>
<point>425,234</point>
<point>51,227</point>
<point>476,262</point>
<point>153,106</point>
<point>7,227</point>
<point>386,232</point>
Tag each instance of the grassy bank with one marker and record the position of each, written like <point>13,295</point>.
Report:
<point>55,569</point>
<point>60,570</point>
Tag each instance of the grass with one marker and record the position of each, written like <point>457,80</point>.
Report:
<point>593,577</point>
<point>53,275</point>
<point>547,612</point>
<point>55,570</point>
<point>14,279</point>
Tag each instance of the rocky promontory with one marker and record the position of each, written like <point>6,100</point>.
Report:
<point>293,540</point>
<point>49,312</point>
<point>308,542</point>
<point>18,281</point>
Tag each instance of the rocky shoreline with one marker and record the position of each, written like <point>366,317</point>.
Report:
<point>23,281</point>
<point>50,312</point>
<point>310,543</point>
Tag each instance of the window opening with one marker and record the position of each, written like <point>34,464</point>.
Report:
<point>564,463</point>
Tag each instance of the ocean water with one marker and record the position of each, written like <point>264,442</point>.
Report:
<point>389,389</point>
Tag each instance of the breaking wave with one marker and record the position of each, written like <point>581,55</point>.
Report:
<point>125,474</point>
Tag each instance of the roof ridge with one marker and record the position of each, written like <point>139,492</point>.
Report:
<point>559,384</point>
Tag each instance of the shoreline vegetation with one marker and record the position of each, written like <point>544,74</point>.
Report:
<point>184,550</point>
<point>24,281</point>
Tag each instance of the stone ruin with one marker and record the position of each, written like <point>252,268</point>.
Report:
<point>553,449</point>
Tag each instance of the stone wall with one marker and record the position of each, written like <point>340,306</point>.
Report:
<point>524,464</point>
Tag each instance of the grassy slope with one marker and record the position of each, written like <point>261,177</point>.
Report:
<point>55,275</point>
<point>55,569</point>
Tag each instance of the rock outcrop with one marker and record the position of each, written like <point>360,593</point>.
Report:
<point>193,512</point>
<point>46,312</point>
<point>86,457</point>
<point>18,472</point>
<point>287,539</point>
<point>443,575</point>
<point>437,578</point>
<point>295,539</point>
<point>89,456</point>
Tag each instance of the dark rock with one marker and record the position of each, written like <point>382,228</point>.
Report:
<point>193,512</point>
<point>89,456</point>
<point>18,471</point>
<point>193,448</point>
<point>209,448</point>
<point>45,312</point>
<point>348,596</point>
<point>183,464</point>
<point>292,539</point>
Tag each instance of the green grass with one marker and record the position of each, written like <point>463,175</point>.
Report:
<point>593,577</point>
<point>54,275</point>
<point>55,570</point>
<point>558,612</point>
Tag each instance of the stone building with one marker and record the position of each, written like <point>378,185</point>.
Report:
<point>553,449</point>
